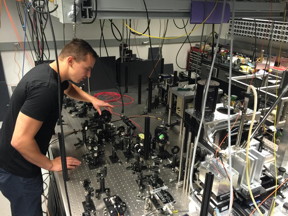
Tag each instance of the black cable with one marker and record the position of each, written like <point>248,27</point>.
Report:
<point>137,34</point>
<point>184,25</point>
<point>40,8</point>
<point>254,58</point>
<point>112,29</point>
<point>121,95</point>
<point>95,12</point>
<point>48,49</point>
<point>150,42</point>
<point>181,48</point>
<point>159,57</point>
<point>149,100</point>
<point>40,21</point>
<point>268,60</point>
<point>268,45</point>
<point>148,23</point>
<point>44,189</point>
<point>126,30</point>
<point>45,42</point>
<point>53,141</point>
<point>24,7</point>
<point>205,41</point>
<point>34,23</point>
<point>64,37</point>
<point>129,35</point>
<point>163,40</point>
<point>187,34</point>
<point>41,32</point>
<point>45,17</point>
<point>213,40</point>
<point>35,34</point>
<point>201,40</point>
<point>100,41</point>
<point>32,33</point>
<point>140,116</point>
<point>102,36</point>
<point>59,108</point>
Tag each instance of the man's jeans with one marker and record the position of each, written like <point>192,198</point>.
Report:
<point>24,194</point>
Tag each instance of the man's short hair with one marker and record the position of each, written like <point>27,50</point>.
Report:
<point>77,48</point>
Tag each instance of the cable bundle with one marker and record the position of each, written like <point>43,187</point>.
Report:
<point>110,97</point>
<point>34,18</point>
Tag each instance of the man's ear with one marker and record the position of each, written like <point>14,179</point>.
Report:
<point>70,60</point>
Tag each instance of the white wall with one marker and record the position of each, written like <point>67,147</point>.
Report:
<point>13,60</point>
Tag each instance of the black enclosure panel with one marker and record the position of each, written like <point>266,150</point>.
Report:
<point>128,72</point>
<point>103,75</point>
<point>168,69</point>
<point>154,53</point>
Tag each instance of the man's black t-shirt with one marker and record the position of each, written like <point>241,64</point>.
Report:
<point>36,96</point>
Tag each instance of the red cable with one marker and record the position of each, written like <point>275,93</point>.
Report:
<point>114,97</point>
<point>129,97</point>
<point>107,95</point>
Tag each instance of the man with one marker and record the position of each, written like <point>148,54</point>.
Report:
<point>30,123</point>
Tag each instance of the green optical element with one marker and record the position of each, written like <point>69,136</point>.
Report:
<point>161,136</point>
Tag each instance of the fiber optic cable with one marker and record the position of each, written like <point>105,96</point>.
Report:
<point>248,146</point>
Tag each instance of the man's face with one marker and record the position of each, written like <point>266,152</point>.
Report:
<point>81,70</point>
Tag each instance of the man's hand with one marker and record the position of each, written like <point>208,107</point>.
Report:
<point>75,92</point>
<point>99,103</point>
<point>71,162</point>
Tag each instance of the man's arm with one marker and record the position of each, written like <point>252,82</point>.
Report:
<point>75,92</point>
<point>24,142</point>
